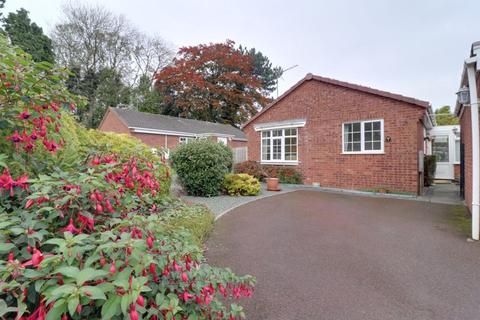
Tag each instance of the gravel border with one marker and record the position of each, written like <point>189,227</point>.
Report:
<point>222,204</point>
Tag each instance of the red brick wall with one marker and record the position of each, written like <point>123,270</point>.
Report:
<point>326,107</point>
<point>112,123</point>
<point>456,171</point>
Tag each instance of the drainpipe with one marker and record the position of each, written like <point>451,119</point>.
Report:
<point>471,65</point>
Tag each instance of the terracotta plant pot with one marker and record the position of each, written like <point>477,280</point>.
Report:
<point>273,184</point>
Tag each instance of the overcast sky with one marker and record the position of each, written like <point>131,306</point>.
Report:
<point>414,48</point>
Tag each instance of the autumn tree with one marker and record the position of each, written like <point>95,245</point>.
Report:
<point>211,82</point>
<point>444,116</point>
<point>28,35</point>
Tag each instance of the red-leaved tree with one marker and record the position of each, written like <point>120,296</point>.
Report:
<point>213,82</point>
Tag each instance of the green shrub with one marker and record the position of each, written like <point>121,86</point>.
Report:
<point>250,167</point>
<point>194,218</point>
<point>241,184</point>
<point>429,168</point>
<point>201,166</point>
<point>284,174</point>
<point>83,232</point>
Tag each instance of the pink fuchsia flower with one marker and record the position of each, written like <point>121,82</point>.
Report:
<point>185,296</point>
<point>15,137</point>
<point>86,222</point>
<point>71,227</point>
<point>25,115</point>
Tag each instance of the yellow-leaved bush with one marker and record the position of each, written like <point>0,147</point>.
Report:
<point>241,184</point>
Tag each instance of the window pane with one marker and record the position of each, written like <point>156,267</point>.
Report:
<point>356,137</point>
<point>368,136</point>
<point>277,133</point>
<point>376,125</point>
<point>266,154</point>
<point>377,145</point>
<point>356,127</point>
<point>368,145</point>
<point>356,146</point>
<point>265,134</point>
<point>348,147</point>
<point>440,148</point>
<point>368,126</point>
<point>377,136</point>
<point>277,149</point>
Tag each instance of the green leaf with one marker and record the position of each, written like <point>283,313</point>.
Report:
<point>58,309</point>
<point>94,293</point>
<point>72,304</point>
<point>88,274</point>
<point>126,301</point>
<point>70,271</point>
<point>111,307</point>
<point>63,290</point>
<point>6,247</point>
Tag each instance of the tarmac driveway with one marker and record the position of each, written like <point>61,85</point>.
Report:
<point>322,255</point>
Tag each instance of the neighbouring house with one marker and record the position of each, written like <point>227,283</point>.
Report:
<point>166,132</point>
<point>467,110</point>
<point>343,135</point>
<point>446,146</point>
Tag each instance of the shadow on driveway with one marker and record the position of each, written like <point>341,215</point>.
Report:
<point>335,256</point>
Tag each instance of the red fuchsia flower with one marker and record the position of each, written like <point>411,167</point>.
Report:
<point>185,296</point>
<point>86,222</point>
<point>40,313</point>
<point>133,313</point>
<point>15,137</point>
<point>72,106</point>
<point>29,203</point>
<point>176,267</point>
<point>71,227</point>
<point>28,147</point>
<point>140,301</point>
<point>113,269</point>
<point>184,277</point>
<point>54,106</point>
<point>150,242</point>
<point>33,135</point>
<point>10,257</point>
<point>165,271</point>
<point>109,207</point>
<point>37,258</point>
<point>25,115</point>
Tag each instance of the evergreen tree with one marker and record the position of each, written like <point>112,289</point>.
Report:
<point>28,36</point>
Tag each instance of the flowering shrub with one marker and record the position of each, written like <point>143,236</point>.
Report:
<point>250,167</point>
<point>284,174</point>
<point>89,239</point>
<point>241,184</point>
<point>201,166</point>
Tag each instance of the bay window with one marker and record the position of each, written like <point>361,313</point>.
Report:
<point>363,137</point>
<point>279,145</point>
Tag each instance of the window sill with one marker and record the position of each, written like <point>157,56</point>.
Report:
<point>281,163</point>
<point>364,152</point>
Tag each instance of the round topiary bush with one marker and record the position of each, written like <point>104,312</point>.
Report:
<point>241,184</point>
<point>201,166</point>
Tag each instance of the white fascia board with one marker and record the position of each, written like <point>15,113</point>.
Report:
<point>210,134</point>
<point>297,123</point>
<point>163,132</point>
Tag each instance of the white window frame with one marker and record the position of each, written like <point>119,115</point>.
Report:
<point>362,138</point>
<point>222,140</point>
<point>185,139</point>
<point>455,160</point>
<point>282,152</point>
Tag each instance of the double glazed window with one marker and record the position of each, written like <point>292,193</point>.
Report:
<point>185,139</point>
<point>280,145</point>
<point>363,137</point>
<point>440,148</point>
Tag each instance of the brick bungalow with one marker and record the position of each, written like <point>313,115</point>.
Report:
<point>342,135</point>
<point>160,131</point>
<point>464,112</point>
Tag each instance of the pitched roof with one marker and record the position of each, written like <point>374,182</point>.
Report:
<point>309,76</point>
<point>149,121</point>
